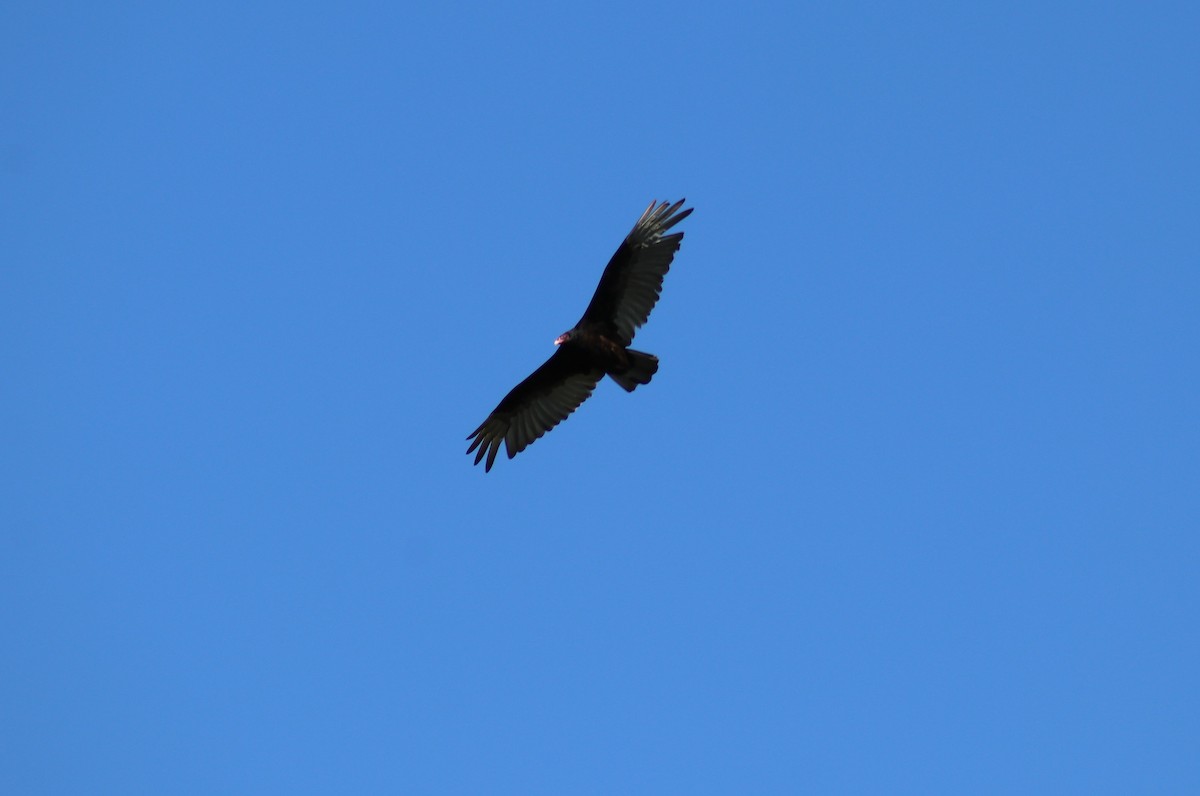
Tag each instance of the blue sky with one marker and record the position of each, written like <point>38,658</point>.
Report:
<point>910,507</point>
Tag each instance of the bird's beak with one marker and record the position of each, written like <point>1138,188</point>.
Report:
<point>562,338</point>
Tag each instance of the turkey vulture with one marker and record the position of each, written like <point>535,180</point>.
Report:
<point>598,344</point>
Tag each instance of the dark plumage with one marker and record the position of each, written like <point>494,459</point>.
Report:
<point>598,344</point>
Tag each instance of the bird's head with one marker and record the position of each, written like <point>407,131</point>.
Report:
<point>562,338</point>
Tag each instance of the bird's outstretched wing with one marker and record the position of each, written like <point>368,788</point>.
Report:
<point>536,405</point>
<point>632,280</point>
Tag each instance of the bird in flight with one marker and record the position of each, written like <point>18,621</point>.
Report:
<point>599,343</point>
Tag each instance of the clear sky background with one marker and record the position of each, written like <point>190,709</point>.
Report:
<point>912,505</point>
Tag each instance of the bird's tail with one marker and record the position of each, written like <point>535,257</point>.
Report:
<point>641,368</point>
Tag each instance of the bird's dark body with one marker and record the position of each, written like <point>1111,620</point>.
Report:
<point>597,346</point>
<point>602,348</point>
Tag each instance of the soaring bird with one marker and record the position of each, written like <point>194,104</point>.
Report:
<point>598,345</point>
